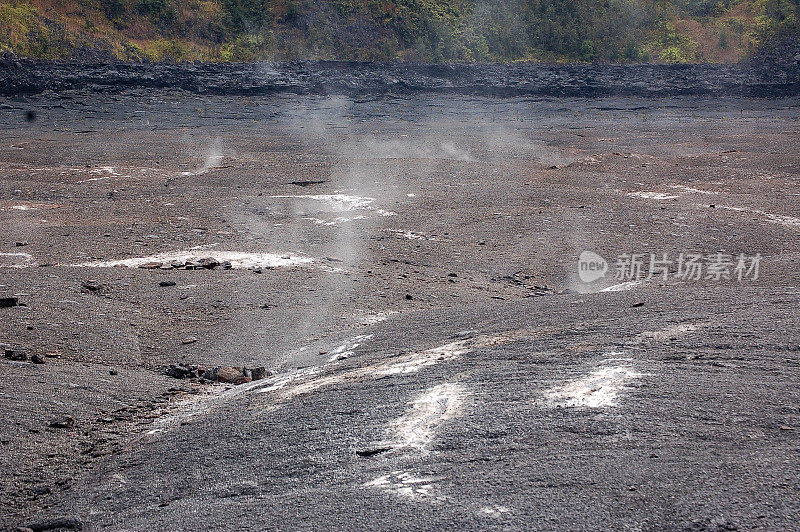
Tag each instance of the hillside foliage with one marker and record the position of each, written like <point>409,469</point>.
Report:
<point>390,30</point>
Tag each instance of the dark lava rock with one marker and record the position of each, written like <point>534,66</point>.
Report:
<point>17,355</point>
<point>6,302</point>
<point>37,359</point>
<point>92,285</point>
<point>68,523</point>
<point>226,374</point>
<point>309,182</point>
<point>62,422</point>
<point>208,263</point>
<point>41,490</point>
<point>372,452</point>
<point>178,371</point>
<point>772,73</point>
<point>166,283</point>
<point>258,373</point>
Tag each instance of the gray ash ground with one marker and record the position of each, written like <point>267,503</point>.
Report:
<point>404,268</point>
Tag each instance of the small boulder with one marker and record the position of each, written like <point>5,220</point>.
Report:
<point>62,422</point>
<point>18,355</point>
<point>229,374</point>
<point>6,302</point>
<point>258,373</point>
<point>178,371</point>
<point>58,523</point>
<point>92,285</point>
<point>209,263</point>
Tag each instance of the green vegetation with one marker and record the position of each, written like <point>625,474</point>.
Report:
<point>417,30</point>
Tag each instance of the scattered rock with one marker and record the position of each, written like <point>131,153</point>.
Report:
<point>226,374</point>
<point>409,297</point>
<point>166,283</point>
<point>229,374</point>
<point>17,355</point>
<point>372,452</point>
<point>209,263</point>
<point>637,304</point>
<point>37,359</point>
<point>69,523</point>
<point>20,244</point>
<point>92,285</point>
<point>6,302</point>
<point>189,340</point>
<point>62,422</point>
<point>178,371</point>
<point>41,490</point>
<point>259,373</point>
<point>308,183</point>
<point>113,372</point>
